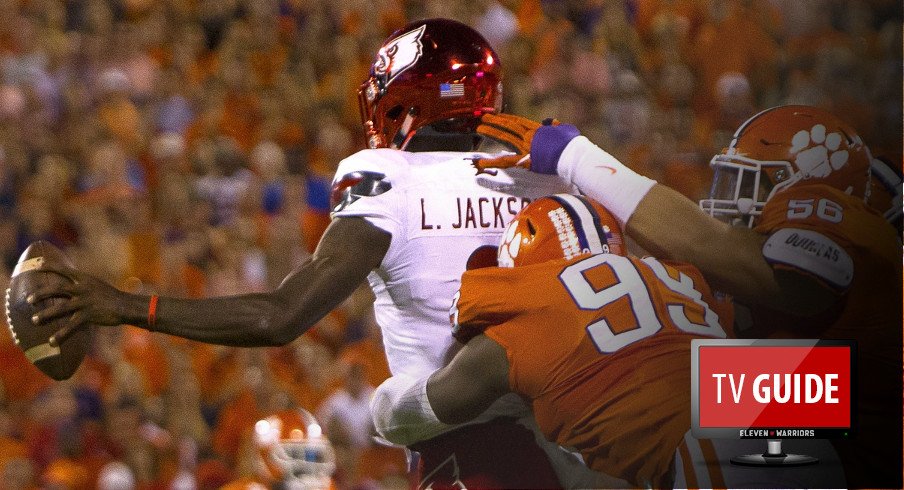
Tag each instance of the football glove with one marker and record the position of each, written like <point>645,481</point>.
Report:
<point>537,154</point>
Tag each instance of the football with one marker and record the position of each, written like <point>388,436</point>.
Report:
<point>59,362</point>
<point>481,257</point>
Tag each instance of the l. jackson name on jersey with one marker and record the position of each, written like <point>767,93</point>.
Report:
<point>472,212</point>
<point>438,210</point>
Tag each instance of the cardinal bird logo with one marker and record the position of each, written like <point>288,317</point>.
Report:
<point>398,55</point>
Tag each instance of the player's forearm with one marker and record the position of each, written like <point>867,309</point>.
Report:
<point>662,221</point>
<point>475,378</point>
<point>602,177</point>
<point>251,320</point>
<point>256,320</point>
<point>667,224</point>
<point>349,249</point>
<point>670,226</point>
<point>450,403</point>
<point>408,410</point>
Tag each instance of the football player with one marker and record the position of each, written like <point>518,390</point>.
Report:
<point>598,341</point>
<point>407,220</point>
<point>292,453</point>
<point>810,253</point>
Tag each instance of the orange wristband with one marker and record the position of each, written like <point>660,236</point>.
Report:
<point>152,312</point>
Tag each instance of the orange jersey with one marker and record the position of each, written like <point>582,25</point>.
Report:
<point>823,233</point>
<point>601,345</point>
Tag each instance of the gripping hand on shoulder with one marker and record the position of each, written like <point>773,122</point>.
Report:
<point>537,145</point>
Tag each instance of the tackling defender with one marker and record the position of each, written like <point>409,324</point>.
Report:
<point>598,341</point>
<point>813,255</point>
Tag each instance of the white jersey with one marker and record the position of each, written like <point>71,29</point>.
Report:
<point>438,212</point>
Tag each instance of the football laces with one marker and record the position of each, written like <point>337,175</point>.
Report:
<point>9,319</point>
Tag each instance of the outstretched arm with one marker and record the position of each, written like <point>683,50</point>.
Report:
<point>349,250</point>
<point>408,410</point>
<point>671,226</point>
<point>659,219</point>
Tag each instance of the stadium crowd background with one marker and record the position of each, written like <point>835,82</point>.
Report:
<point>186,147</point>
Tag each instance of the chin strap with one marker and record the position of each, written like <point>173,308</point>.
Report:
<point>403,137</point>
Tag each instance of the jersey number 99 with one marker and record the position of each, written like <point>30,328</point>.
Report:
<point>630,284</point>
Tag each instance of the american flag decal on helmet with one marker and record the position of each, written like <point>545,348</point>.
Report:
<point>448,90</point>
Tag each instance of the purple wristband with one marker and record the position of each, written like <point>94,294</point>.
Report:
<point>547,146</point>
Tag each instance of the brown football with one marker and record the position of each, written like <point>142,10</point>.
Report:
<point>60,362</point>
<point>484,256</point>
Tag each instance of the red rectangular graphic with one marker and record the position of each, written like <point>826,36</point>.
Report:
<point>758,386</point>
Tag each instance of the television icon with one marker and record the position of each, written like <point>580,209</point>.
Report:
<point>773,389</point>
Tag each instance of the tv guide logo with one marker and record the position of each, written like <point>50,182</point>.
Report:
<point>770,389</point>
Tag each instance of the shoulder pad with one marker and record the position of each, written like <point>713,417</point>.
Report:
<point>355,185</point>
<point>811,252</point>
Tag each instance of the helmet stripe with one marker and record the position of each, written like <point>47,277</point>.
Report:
<point>597,221</point>
<point>743,126</point>
<point>585,219</point>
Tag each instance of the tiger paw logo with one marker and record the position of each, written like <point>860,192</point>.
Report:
<point>818,154</point>
<point>511,245</point>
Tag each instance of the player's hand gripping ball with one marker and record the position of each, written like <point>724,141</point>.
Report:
<point>35,271</point>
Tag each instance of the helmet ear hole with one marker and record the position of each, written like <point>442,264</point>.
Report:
<point>395,112</point>
<point>531,228</point>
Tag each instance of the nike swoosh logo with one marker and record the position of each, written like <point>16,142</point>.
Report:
<point>610,169</point>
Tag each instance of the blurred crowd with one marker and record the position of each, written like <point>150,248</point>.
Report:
<point>185,148</point>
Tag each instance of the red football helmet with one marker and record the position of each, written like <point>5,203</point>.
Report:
<point>293,448</point>
<point>559,226</point>
<point>426,72</point>
<point>779,147</point>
